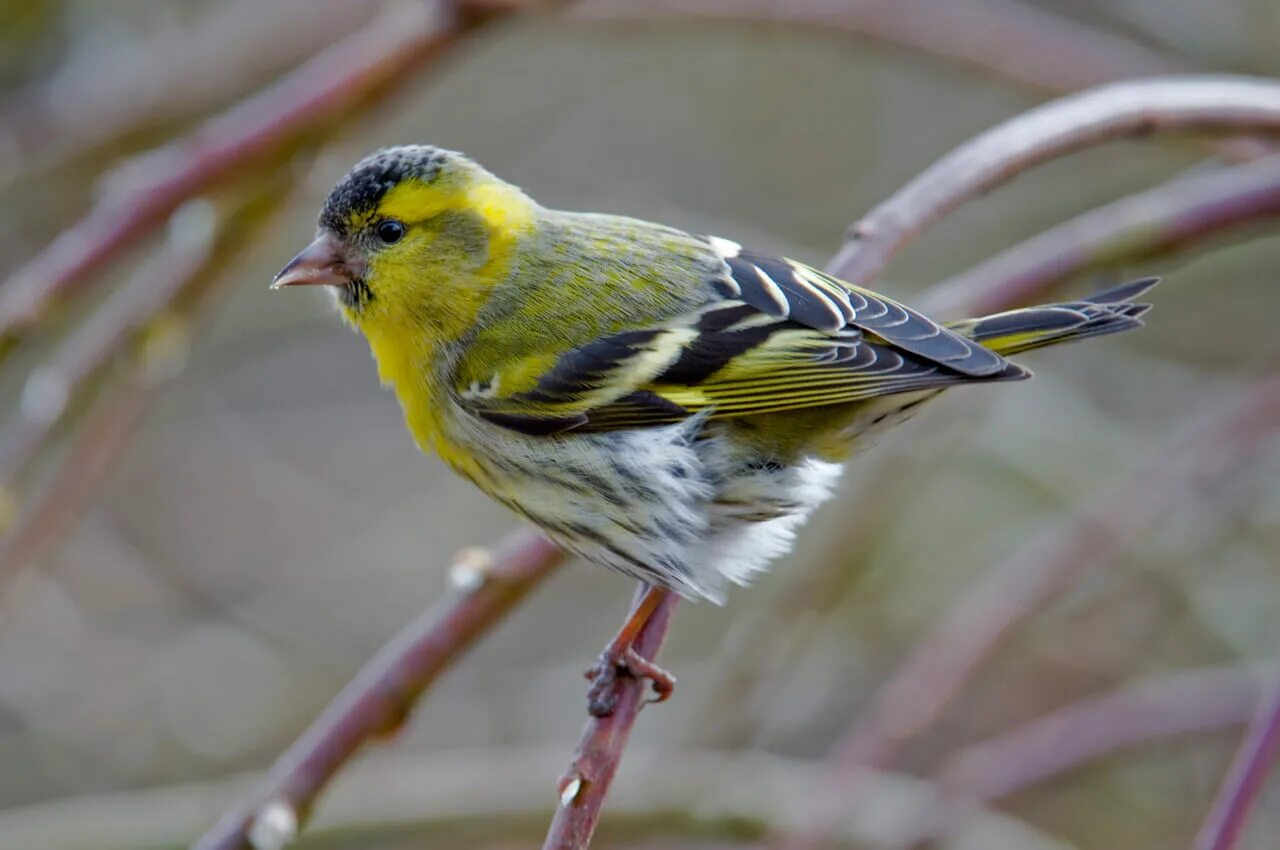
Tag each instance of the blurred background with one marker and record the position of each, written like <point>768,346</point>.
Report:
<point>222,517</point>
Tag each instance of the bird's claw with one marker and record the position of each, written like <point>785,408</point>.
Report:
<point>602,698</point>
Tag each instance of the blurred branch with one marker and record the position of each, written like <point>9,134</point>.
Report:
<point>1178,704</point>
<point>755,651</point>
<point>942,664</point>
<point>1200,103</point>
<point>150,187</point>
<point>1224,825</point>
<point>102,95</point>
<point>382,695</point>
<point>1048,746</point>
<point>584,785</point>
<point>497,797</point>
<point>1165,219</point>
<point>52,386</point>
<point>155,312</point>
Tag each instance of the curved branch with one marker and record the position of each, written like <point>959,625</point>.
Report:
<point>1158,221</point>
<point>1174,216</point>
<point>1195,103</point>
<point>382,695</point>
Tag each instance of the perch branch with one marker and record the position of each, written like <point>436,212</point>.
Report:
<point>381,696</point>
<point>940,666</point>
<point>1197,103</point>
<point>1141,107</point>
<point>149,188</point>
<point>1224,825</point>
<point>1161,220</point>
<point>585,784</point>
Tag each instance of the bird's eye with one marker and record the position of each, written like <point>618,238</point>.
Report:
<point>389,231</point>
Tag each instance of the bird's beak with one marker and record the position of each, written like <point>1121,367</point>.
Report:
<point>322,262</point>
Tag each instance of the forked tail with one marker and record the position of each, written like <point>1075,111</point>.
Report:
<point>1110,311</point>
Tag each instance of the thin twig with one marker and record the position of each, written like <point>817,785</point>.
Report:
<point>1183,104</point>
<point>1162,220</point>
<point>149,188</point>
<point>1225,823</point>
<point>939,667</point>
<point>585,784</point>
<point>382,695</point>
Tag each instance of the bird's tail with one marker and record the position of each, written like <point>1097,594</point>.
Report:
<point>1110,311</point>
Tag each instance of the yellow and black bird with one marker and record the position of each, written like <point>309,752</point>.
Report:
<point>668,405</point>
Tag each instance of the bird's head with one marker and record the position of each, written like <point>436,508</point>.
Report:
<point>413,239</point>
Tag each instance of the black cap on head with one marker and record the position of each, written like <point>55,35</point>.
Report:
<point>360,191</point>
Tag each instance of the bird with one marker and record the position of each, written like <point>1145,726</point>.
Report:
<point>670,405</point>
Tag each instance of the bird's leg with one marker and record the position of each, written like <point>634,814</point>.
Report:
<point>620,658</point>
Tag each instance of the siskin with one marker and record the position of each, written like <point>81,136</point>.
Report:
<point>669,405</point>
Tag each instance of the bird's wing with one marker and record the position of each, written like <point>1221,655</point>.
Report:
<point>775,335</point>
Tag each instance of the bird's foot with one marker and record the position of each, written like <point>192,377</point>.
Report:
<point>602,698</point>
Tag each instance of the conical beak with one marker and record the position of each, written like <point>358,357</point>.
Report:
<point>320,263</point>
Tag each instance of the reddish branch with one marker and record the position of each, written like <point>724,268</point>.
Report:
<point>382,695</point>
<point>1159,221</point>
<point>586,782</point>
<point>1245,779</point>
<point>139,199</point>
<point>943,663</point>
<point>1183,104</point>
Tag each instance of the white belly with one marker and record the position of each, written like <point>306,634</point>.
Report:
<point>663,505</point>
